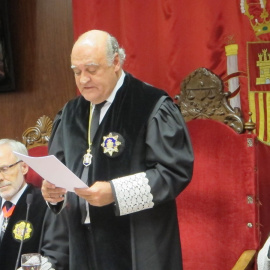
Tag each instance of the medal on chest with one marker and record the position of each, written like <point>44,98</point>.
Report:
<point>87,158</point>
<point>4,225</point>
<point>7,214</point>
<point>92,128</point>
<point>22,230</point>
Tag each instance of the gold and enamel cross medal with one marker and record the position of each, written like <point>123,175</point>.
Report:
<point>87,158</point>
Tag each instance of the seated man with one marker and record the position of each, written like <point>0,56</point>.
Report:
<point>13,201</point>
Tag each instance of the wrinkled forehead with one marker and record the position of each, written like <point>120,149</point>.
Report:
<point>87,52</point>
<point>6,155</point>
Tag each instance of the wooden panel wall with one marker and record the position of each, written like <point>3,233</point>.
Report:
<point>41,37</point>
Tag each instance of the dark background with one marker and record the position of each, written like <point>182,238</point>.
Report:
<point>41,38</point>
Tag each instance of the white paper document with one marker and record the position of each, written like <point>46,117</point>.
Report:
<point>54,171</point>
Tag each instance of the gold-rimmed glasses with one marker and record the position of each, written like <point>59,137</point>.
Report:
<point>4,169</point>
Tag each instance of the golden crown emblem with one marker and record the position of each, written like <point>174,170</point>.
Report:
<point>257,14</point>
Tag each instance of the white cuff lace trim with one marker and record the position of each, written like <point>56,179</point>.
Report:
<point>133,193</point>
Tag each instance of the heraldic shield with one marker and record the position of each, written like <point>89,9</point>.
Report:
<point>258,63</point>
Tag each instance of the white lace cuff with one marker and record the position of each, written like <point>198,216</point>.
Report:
<point>133,193</point>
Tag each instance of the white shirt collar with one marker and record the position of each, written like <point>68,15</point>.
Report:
<point>117,87</point>
<point>110,99</point>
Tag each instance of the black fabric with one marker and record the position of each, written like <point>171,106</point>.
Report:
<point>9,246</point>
<point>133,102</point>
<point>93,129</point>
<point>134,241</point>
<point>55,242</point>
<point>128,116</point>
<point>95,120</point>
<point>111,232</point>
<point>43,222</point>
<point>82,201</point>
<point>7,204</point>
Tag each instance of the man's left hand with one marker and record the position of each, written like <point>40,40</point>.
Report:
<point>99,194</point>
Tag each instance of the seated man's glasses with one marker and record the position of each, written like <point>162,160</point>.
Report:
<point>5,169</point>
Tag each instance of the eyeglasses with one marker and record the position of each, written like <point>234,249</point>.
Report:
<point>5,169</point>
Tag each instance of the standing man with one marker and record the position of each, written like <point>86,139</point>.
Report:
<point>13,201</point>
<point>136,163</point>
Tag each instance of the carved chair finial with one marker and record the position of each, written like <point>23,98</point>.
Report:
<point>250,125</point>
<point>39,134</point>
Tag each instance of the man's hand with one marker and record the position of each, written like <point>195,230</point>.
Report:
<point>51,193</point>
<point>99,194</point>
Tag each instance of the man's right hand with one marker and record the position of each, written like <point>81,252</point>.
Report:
<point>51,193</point>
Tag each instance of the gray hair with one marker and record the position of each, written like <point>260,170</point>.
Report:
<point>112,48</point>
<point>15,146</point>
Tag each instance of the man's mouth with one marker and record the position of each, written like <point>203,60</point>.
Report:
<point>4,186</point>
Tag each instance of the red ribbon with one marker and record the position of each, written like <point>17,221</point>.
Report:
<point>233,75</point>
<point>8,213</point>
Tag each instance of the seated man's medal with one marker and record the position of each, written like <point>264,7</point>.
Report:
<point>22,230</point>
<point>6,214</point>
<point>4,225</point>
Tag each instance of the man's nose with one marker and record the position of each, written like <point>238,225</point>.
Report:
<point>84,78</point>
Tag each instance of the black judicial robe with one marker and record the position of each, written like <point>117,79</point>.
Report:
<point>156,142</point>
<point>9,246</point>
<point>48,235</point>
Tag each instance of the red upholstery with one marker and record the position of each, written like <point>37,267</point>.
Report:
<point>32,177</point>
<point>263,170</point>
<point>214,211</point>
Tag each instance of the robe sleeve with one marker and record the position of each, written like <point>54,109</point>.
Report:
<point>55,241</point>
<point>169,159</point>
<point>55,143</point>
<point>56,148</point>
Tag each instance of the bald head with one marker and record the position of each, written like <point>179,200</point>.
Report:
<point>96,60</point>
<point>103,42</point>
<point>94,39</point>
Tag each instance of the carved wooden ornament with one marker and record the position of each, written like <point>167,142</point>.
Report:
<point>39,134</point>
<point>202,96</point>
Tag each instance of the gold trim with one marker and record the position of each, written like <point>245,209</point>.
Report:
<point>231,49</point>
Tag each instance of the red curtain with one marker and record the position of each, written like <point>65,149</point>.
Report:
<point>165,40</point>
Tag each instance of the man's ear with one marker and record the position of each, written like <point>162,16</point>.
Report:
<point>25,168</point>
<point>116,62</point>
